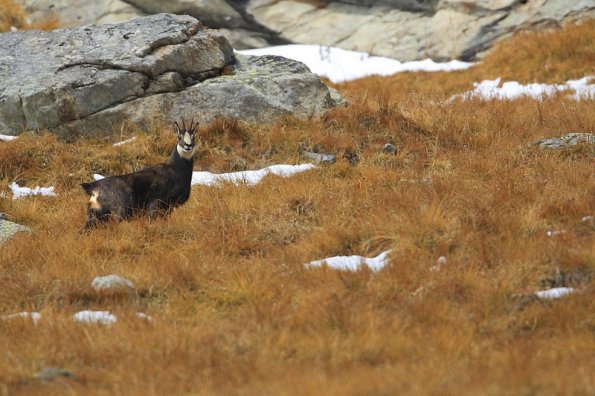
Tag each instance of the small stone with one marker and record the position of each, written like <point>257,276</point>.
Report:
<point>49,373</point>
<point>320,158</point>
<point>389,148</point>
<point>337,99</point>
<point>111,282</point>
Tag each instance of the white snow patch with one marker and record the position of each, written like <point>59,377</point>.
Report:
<point>587,218</point>
<point>245,177</point>
<point>142,315</point>
<point>101,317</point>
<point>7,138</point>
<point>34,316</point>
<point>554,293</point>
<point>339,65</point>
<point>353,263</point>
<point>553,233</point>
<point>132,139</point>
<point>248,177</point>
<point>19,192</point>
<point>491,89</point>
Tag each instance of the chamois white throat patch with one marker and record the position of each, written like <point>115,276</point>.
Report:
<point>185,154</point>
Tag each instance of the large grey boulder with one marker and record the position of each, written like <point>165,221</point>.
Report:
<point>90,79</point>
<point>261,89</point>
<point>401,29</point>
<point>213,13</point>
<point>412,30</point>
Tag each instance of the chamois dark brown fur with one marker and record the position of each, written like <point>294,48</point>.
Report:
<point>153,190</point>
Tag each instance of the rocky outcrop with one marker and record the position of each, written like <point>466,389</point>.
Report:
<point>444,29</point>
<point>572,139</point>
<point>89,80</point>
<point>261,89</point>
<point>401,29</point>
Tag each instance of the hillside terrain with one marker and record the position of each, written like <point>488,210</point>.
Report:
<point>477,219</point>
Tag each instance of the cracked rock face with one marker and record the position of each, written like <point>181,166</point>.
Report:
<point>87,80</point>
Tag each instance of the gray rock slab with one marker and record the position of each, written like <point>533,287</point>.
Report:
<point>72,73</point>
<point>111,282</point>
<point>89,80</point>
<point>412,30</point>
<point>8,229</point>
<point>572,139</point>
<point>260,89</point>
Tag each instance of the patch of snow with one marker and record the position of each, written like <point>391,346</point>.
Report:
<point>491,89</point>
<point>553,233</point>
<point>101,317</point>
<point>554,293</point>
<point>7,138</point>
<point>34,316</point>
<point>248,177</point>
<point>244,177</point>
<point>339,65</point>
<point>111,282</point>
<point>353,263</point>
<point>132,139</point>
<point>19,192</point>
<point>142,315</point>
<point>587,218</point>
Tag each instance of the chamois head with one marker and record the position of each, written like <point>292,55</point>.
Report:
<point>186,138</point>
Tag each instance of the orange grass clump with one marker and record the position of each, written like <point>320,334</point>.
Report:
<point>236,312</point>
<point>13,15</point>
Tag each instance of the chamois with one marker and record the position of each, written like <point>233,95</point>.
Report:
<point>151,190</point>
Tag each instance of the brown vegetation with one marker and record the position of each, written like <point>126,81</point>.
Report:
<point>236,312</point>
<point>13,15</point>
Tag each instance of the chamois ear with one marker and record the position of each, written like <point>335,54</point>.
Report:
<point>87,187</point>
<point>177,130</point>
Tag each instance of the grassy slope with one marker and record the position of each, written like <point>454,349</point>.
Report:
<point>236,312</point>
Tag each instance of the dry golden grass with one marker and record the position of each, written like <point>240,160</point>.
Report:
<point>12,14</point>
<point>236,312</point>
